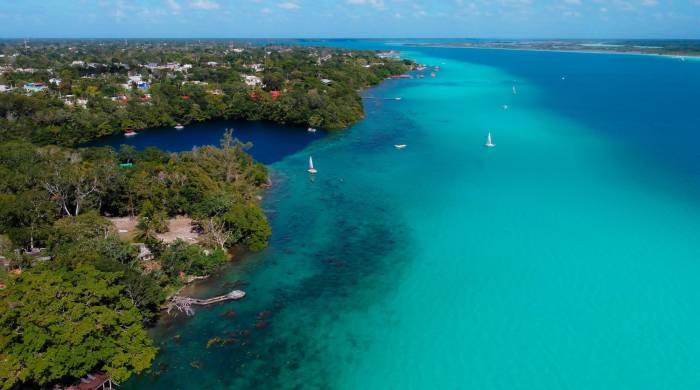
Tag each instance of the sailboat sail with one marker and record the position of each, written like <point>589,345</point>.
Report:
<point>489,142</point>
<point>311,163</point>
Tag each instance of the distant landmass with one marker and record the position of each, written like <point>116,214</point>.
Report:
<point>659,47</point>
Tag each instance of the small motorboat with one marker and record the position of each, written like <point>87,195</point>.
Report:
<point>311,130</point>
<point>129,133</point>
<point>311,169</point>
<point>400,146</point>
<point>179,126</point>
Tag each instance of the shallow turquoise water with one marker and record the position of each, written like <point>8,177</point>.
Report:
<point>566,257</point>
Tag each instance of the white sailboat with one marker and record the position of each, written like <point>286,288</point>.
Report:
<point>311,165</point>
<point>489,143</point>
<point>400,146</point>
<point>311,130</point>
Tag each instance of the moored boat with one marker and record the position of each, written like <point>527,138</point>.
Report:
<point>311,166</point>
<point>129,132</point>
<point>489,142</point>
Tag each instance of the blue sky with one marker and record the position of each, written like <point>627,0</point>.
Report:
<point>351,18</point>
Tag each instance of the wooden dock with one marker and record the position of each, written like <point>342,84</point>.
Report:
<point>184,304</point>
<point>232,296</point>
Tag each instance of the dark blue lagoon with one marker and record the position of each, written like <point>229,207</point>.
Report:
<point>271,142</point>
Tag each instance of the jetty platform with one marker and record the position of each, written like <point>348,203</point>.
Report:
<point>232,296</point>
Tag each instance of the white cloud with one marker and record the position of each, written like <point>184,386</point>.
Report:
<point>373,3</point>
<point>289,5</point>
<point>204,4</point>
<point>174,6</point>
<point>572,14</point>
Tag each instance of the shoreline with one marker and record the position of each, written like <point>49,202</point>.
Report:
<point>237,254</point>
<point>692,57</point>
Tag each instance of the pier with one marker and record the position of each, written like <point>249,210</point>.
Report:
<point>381,98</point>
<point>184,304</point>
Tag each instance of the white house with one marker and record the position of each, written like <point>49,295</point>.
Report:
<point>5,88</point>
<point>55,81</point>
<point>194,82</point>
<point>70,100</point>
<point>255,67</point>
<point>327,81</point>
<point>252,81</point>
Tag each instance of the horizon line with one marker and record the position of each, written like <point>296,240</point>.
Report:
<point>5,39</point>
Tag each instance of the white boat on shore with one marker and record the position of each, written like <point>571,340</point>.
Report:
<point>489,142</point>
<point>400,146</point>
<point>311,166</point>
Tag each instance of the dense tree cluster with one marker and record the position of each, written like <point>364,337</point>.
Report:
<point>59,323</point>
<point>300,85</point>
<point>87,277</point>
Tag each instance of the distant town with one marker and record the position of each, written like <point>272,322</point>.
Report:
<point>163,83</point>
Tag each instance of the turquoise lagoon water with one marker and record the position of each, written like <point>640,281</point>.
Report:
<point>564,258</point>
